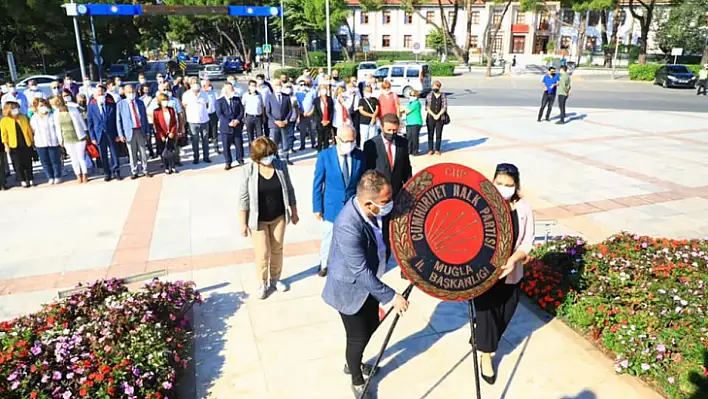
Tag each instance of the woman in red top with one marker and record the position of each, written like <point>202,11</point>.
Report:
<point>165,122</point>
<point>388,101</point>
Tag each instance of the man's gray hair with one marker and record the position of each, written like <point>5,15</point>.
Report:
<point>371,184</point>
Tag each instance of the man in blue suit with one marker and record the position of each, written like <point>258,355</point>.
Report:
<point>278,109</point>
<point>337,173</point>
<point>358,261</point>
<point>229,110</point>
<point>133,129</point>
<point>102,129</point>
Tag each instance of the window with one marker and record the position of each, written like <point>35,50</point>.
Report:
<point>520,17</point>
<point>412,72</point>
<point>518,44</point>
<point>386,17</point>
<point>590,43</point>
<point>475,17</point>
<point>474,41</point>
<point>498,43</point>
<point>566,42</point>
<point>407,41</point>
<point>543,19</point>
<point>450,17</point>
<point>397,72</point>
<point>430,16</point>
<point>593,18</point>
<point>386,41</point>
<point>497,18</point>
<point>381,73</point>
<point>568,17</point>
<point>408,18</point>
<point>364,18</point>
<point>364,40</point>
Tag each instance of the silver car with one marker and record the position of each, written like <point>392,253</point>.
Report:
<point>212,72</point>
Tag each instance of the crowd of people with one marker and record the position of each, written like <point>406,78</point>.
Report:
<point>94,126</point>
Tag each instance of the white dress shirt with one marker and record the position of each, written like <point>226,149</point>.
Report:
<point>150,106</point>
<point>211,97</point>
<point>45,134</point>
<point>166,115</point>
<point>196,106</point>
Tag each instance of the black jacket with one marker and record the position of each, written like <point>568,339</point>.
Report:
<point>377,158</point>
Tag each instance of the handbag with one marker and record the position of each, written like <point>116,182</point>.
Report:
<point>446,119</point>
<point>92,150</point>
<point>167,153</point>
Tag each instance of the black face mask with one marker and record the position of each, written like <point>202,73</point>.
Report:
<point>436,90</point>
<point>388,136</point>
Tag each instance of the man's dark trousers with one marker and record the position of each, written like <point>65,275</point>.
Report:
<point>214,129</point>
<point>547,100</point>
<point>561,104</point>
<point>254,127</point>
<point>110,165</point>
<point>306,129</point>
<point>234,138</point>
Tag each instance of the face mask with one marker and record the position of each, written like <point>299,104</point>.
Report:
<point>384,209</point>
<point>307,73</point>
<point>43,110</point>
<point>287,91</point>
<point>323,93</point>
<point>168,94</point>
<point>33,88</point>
<point>15,112</point>
<point>436,90</point>
<point>195,89</point>
<point>388,136</point>
<point>130,96</point>
<point>100,99</point>
<point>67,82</point>
<point>268,160</point>
<point>231,81</point>
<point>82,104</point>
<point>252,89</point>
<point>277,89</point>
<point>165,103</point>
<point>142,81</point>
<point>346,148</point>
<point>505,191</point>
<point>367,95</point>
<point>160,80</point>
<point>67,99</point>
<point>13,90</point>
<point>87,83</point>
<point>118,83</point>
<point>260,82</point>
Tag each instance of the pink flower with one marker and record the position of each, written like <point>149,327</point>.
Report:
<point>624,363</point>
<point>671,380</point>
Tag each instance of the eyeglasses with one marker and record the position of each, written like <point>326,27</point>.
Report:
<point>507,168</point>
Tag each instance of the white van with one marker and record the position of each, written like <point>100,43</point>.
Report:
<point>406,76</point>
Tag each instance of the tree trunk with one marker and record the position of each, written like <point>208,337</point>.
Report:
<point>613,36</point>
<point>468,36</point>
<point>704,59</point>
<point>580,48</point>
<point>454,16</point>
<point>351,50</point>
<point>490,37</point>
<point>644,23</point>
<point>449,37</point>
<point>307,54</point>
<point>643,44</point>
<point>245,50</point>
<point>228,38</point>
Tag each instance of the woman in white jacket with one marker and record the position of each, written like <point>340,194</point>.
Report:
<point>47,141</point>
<point>71,129</point>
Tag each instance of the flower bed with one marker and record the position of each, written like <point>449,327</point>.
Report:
<point>104,342</point>
<point>640,299</point>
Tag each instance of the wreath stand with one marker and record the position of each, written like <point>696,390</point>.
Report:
<point>473,340</point>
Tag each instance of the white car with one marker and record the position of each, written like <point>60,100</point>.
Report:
<point>406,76</point>
<point>44,83</point>
<point>365,70</point>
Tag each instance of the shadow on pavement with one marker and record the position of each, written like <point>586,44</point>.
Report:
<point>585,394</point>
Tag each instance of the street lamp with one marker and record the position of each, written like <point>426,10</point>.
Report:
<point>329,40</point>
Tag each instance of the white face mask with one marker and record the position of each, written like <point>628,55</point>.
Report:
<point>195,88</point>
<point>142,81</point>
<point>43,110</point>
<point>252,89</point>
<point>87,83</point>
<point>505,191</point>
<point>260,82</point>
<point>118,84</point>
<point>277,89</point>
<point>15,112</point>
<point>231,81</point>
<point>67,99</point>
<point>384,209</point>
<point>33,88</point>
<point>165,103</point>
<point>323,93</point>
<point>268,160</point>
<point>130,96</point>
<point>160,80</point>
<point>100,99</point>
<point>346,148</point>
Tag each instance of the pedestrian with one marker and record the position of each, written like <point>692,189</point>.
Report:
<point>253,107</point>
<point>702,81</point>
<point>132,126</point>
<point>305,75</point>
<point>265,89</point>
<point>165,121</point>
<point>230,113</point>
<point>278,107</point>
<point>563,92</point>
<point>211,109</point>
<point>496,306</point>
<point>71,132</point>
<point>320,78</point>
<point>82,103</point>
<point>17,139</point>
<point>55,88</point>
<point>357,264</point>
<point>13,95</point>
<point>267,205</point>
<point>388,101</point>
<point>306,97</point>
<point>103,131</point>
<point>337,173</point>
<point>294,116</point>
<point>70,85</point>
<point>176,104</point>
<point>151,105</point>
<point>47,140</point>
<point>352,98</point>
<point>388,154</point>
<point>32,91</point>
<point>414,121</point>
<point>323,115</point>
<point>195,103</point>
<point>368,115</point>
<point>550,84</point>
<point>341,110</point>
<point>436,110</point>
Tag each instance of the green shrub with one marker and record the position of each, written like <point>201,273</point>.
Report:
<point>346,69</point>
<point>694,68</point>
<point>440,69</point>
<point>643,72</point>
<point>318,58</point>
<point>291,72</point>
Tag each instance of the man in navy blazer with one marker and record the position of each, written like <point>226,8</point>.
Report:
<point>357,263</point>
<point>278,109</point>
<point>337,173</point>
<point>229,110</point>
<point>133,129</point>
<point>101,115</point>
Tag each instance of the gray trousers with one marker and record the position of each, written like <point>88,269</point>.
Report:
<point>137,144</point>
<point>199,132</point>
<point>281,136</point>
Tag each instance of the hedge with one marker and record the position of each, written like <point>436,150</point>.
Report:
<point>647,72</point>
<point>442,69</point>
<point>641,300</point>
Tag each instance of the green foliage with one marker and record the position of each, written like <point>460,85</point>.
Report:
<point>683,27</point>
<point>346,69</point>
<point>436,40</point>
<point>643,72</point>
<point>551,47</point>
<point>318,58</point>
<point>442,69</point>
<point>290,72</point>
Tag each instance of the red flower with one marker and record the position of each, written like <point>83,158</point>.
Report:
<point>83,392</point>
<point>111,390</point>
<point>33,394</point>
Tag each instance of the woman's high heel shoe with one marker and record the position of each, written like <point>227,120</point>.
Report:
<point>489,380</point>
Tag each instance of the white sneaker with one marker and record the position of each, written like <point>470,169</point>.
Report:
<point>279,286</point>
<point>51,181</point>
<point>57,181</point>
<point>262,291</point>
<point>23,183</point>
<point>31,183</point>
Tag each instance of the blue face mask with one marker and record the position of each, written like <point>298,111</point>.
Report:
<point>384,209</point>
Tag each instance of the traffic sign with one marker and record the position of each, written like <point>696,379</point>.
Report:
<point>75,10</point>
<point>259,50</point>
<point>365,49</point>
<point>416,48</point>
<point>98,60</point>
<point>96,48</point>
<point>267,49</point>
<point>182,56</point>
<point>676,51</point>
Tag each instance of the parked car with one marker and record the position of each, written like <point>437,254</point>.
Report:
<point>44,83</point>
<point>233,65</point>
<point>674,76</point>
<point>212,72</point>
<point>118,70</point>
<point>406,76</point>
<point>365,70</point>
<point>207,59</point>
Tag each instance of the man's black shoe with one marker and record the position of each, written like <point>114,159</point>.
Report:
<point>538,120</point>
<point>207,160</point>
<point>322,272</point>
<point>366,369</point>
<point>561,122</point>
<point>133,177</point>
<point>107,178</point>
<point>195,162</point>
<point>358,391</point>
<point>119,178</point>
<point>241,163</point>
<point>227,167</point>
<point>289,162</point>
<point>147,174</point>
<point>548,119</point>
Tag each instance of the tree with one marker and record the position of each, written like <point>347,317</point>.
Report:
<point>436,41</point>
<point>413,6</point>
<point>645,16</point>
<point>685,26</point>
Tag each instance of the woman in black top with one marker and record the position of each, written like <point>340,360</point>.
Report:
<point>436,108</point>
<point>267,204</point>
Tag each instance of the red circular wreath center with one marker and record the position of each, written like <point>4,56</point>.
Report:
<point>454,231</point>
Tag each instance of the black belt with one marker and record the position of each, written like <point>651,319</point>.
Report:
<point>254,116</point>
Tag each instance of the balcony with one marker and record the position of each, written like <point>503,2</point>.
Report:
<point>520,28</point>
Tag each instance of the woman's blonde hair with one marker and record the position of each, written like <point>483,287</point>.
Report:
<point>262,147</point>
<point>162,97</point>
<point>340,90</point>
<point>58,102</point>
<point>8,107</point>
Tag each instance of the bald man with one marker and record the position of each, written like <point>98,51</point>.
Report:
<point>337,174</point>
